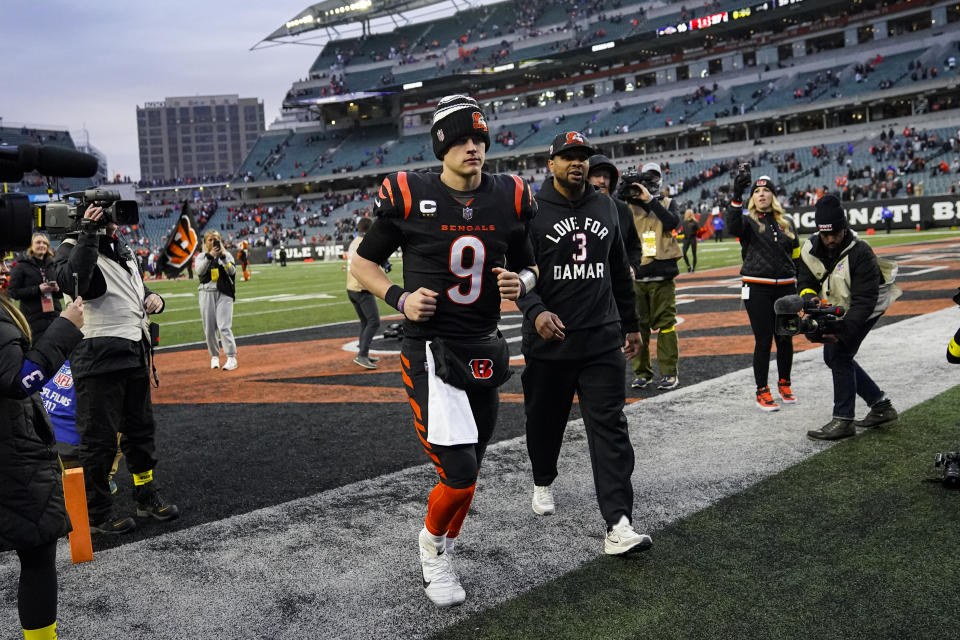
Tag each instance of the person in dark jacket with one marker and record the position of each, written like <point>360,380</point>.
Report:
<point>953,347</point>
<point>33,283</point>
<point>770,248</point>
<point>604,175</point>
<point>655,218</point>
<point>574,327</point>
<point>32,511</point>
<point>111,369</point>
<point>837,266</point>
<point>690,228</point>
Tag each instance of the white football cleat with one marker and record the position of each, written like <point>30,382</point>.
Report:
<point>230,364</point>
<point>215,362</point>
<point>440,582</point>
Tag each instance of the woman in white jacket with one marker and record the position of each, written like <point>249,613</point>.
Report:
<point>216,270</point>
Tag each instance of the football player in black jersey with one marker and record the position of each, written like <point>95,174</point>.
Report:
<point>463,234</point>
<point>577,325</point>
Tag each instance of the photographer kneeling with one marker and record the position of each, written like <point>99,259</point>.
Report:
<point>111,367</point>
<point>836,265</point>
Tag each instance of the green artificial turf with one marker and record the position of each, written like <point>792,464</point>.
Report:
<point>275,298</point>
<point>854,542</point>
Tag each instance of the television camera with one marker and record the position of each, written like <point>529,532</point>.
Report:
<point>16,219</point>
<point>817,319</point>
<point>63,217</point>
<point>651,180</point>
<point>951,467</point>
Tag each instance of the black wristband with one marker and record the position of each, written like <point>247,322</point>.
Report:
<point>392,297</point>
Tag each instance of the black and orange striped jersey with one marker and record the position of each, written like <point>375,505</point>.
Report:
<point>451,241</point>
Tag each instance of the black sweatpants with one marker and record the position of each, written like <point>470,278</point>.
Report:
<point>116,402</point>
<point>548,388</point>
<point>760,310</point>
<point>37,593</point>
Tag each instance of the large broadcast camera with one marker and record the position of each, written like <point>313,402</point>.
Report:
<point>651,181</point>
<point>16,219</point>
<point>64,217</point>
<point>16,222</point>
<point>817,319</point>
<point>951,468</point>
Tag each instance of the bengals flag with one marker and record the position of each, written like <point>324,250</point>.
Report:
<point>182,243</point>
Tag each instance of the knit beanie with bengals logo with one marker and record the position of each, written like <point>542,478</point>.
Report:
<point>456,117</point>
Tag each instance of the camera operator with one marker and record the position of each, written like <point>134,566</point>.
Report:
<point>604,175</point>
<point>836,264</point>
<point>32,511</point>
<point>32,283</point>
<point>769,246</point>
<point>655,218</point>
<point>217,274</point>
<point>953,347</point>
<point>111,368</point>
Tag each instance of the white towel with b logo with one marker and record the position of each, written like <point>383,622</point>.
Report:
<point>448,411</point>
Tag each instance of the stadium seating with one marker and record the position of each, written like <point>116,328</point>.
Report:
<point>820,75</point>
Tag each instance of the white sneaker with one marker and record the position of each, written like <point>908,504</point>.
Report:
<point>215,362</point>
<point>230,364</point>
<point>623,539</point>
<point>440,582</point>
<point>543,501</point>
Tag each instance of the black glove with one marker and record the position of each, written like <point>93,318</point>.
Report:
<point>740,184</point>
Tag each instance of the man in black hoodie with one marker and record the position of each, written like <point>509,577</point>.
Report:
<point>836,264</point>
<point>576,325</point>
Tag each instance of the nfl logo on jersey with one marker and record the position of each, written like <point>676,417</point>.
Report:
<point>63,379</point>
<point>467,213</point>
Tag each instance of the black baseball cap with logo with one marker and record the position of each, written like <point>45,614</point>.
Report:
<point>569,141</point>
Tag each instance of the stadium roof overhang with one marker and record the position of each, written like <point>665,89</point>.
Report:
<point>330,14</point>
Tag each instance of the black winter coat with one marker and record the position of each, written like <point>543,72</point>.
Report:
<point>768,255</point>
<point>32,510</point>
<point>104,354</point>
<point>25,280</point>
<point>863,276</point>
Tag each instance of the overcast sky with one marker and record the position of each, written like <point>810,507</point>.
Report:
<point>90,64</point>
